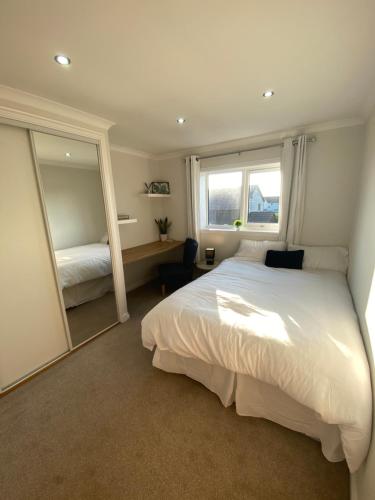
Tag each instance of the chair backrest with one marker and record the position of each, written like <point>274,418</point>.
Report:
<point>190,251</point>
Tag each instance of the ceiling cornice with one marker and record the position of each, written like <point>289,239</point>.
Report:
<point>25,102</point>
<point>331,125</point>
<point>134,152</point>
<point>62,164</point>
<point>264,138</point>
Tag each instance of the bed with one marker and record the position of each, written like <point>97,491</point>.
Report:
<point>85,273</point>
<point>282,344</point>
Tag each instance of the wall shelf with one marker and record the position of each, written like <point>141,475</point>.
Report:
<point>127,221</point>
<point>152,195</point>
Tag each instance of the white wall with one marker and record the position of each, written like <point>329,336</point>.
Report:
<point>334,161</point>
<point>174,172</point>
<point>332,183</point>
<point>74,201</point>
<point>130,172</point>
<point>333,164</point>
<point>362,284</point>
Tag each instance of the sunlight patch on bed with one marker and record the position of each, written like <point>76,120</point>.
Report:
<point>341,347</point>
<point>292,320</point>
<point>235,311</point>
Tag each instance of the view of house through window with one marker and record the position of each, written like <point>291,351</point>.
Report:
<point>264,197</point>
<point>224,198</point>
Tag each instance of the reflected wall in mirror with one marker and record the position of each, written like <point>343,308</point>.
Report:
<point>70,181</point>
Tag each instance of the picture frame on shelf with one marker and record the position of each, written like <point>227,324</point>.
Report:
<point>160,187</point>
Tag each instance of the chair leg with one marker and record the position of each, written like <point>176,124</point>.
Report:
<point>163,289</point>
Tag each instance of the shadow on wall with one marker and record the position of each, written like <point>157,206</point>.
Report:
<point>370,312</point>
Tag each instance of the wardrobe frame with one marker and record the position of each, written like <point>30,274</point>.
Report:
<point>36,114</point>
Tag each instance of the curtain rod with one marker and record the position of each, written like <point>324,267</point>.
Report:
<point>280,144</point>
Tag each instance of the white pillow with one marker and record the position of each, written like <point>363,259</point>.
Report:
<point>256,250</point>
<point>334,258</point>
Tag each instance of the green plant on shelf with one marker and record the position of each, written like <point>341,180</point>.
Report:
<point>163,225</point>
<point>237,224</point>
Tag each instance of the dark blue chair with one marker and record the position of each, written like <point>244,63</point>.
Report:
<point>177,274</point>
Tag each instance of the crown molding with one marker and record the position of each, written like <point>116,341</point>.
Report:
<point>263,139</point>
<point>62,164</point>
<point>134,152</point>
<point>29,103</point>
<point>331,125</point>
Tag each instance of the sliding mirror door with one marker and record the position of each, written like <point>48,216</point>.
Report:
<point>71,189</point>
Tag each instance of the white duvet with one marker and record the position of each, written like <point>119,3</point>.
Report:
<point>296,330</point>
<point>79,264</point>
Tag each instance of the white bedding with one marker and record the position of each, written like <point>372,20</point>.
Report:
<point>79,264</point>
<point>296,330</point>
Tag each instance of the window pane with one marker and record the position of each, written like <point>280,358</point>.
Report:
<point>264,197</point>
<point>224,197</point>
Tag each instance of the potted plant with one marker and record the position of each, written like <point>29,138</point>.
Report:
<point>163,225</point>
<point>237,224</point>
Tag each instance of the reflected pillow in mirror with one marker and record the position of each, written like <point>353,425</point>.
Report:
<point>104,239</point>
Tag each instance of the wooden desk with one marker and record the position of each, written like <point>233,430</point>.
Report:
<point>135,254</point>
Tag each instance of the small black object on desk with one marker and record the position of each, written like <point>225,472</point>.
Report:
<point>210,256</point>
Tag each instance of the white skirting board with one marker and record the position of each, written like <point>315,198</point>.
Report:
<point>139,283</point>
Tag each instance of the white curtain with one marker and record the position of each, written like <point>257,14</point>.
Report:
<point>286,167</point>
<point>192,182</point>
<point>298,193</point>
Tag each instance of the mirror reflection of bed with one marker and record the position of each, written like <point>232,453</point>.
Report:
<point>71,187</point>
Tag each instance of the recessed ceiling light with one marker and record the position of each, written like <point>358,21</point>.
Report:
<point>68,155</point>
<point>63,60</point>
<point>268,93</point>
<point>181,120</point>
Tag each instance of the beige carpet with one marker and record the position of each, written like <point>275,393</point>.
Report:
<point>103,424</point>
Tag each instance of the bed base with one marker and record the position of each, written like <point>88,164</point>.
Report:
<point>254,398</point>
<point>87,291</point>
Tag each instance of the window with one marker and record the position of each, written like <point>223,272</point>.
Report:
<point>251,194</point>
<point>224,198</point>
<point>264,197</point>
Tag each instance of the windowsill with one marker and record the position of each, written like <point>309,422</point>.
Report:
<point>232,230</point>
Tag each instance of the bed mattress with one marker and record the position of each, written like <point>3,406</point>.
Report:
<point>294,330</point>
<point>83,263</point>
<point>85,292</point>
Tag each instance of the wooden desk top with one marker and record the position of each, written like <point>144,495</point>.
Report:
<point>134,254</point>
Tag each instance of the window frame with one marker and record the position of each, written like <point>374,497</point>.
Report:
<point>251,167</point>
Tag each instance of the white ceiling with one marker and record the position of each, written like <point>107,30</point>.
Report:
<point>142,63</point>
<point>51,150</point>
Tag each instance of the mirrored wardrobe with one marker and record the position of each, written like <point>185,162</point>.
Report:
<point>70,184</point>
